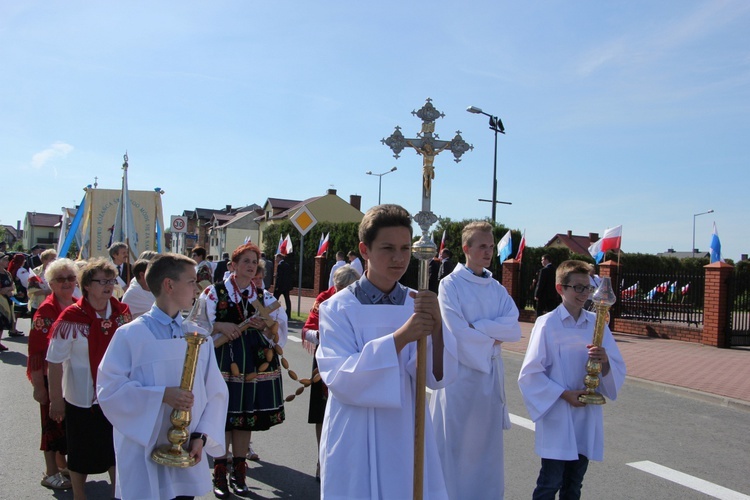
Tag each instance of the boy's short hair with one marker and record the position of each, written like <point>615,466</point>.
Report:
<point>147,255</point>
<point>116,247</point>
<point>447,253</point>
<point>166,265</point>
<point>382,216</point>
<point>340,255</point>
<point>140,267</point>
<point>467,234</point>
<point>200,252</point>
<point>569,267</point>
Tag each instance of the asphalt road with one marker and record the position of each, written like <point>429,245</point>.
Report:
<point>692,441</point>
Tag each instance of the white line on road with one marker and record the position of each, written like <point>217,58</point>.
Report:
<point>692,482</point>
<point>293,338</point>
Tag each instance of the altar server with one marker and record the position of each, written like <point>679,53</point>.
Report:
<point>138,387</point>
<point>469,415</point>
<point>367,358</point>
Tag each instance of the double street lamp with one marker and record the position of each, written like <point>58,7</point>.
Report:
<point>380,179</point>
<point>497,126</point>
<point>694,216</point>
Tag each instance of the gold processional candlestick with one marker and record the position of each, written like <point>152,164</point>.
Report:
<point>603,299</point>
<point>173,455</point>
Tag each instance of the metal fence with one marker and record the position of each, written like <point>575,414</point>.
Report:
<point>660,297</point>
<point>738,334</point>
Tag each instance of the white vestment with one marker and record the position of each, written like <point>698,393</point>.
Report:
<point>470,414</point>
<point>367,446</point>
<point>132,377</point>
<point>555,361</point>
<point>139,301</point>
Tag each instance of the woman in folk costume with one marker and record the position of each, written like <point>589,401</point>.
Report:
<point>244,349</point>
<point>342,278</point>
<point>78,340</point>
<point>61,275</point>
<point>7,315</point>
<point>38,288</point>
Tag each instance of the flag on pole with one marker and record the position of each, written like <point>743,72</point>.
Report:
<point>279,247</point>
<point>323,247</point>
<point>504,247</point>
<point>715,246</point>
<point>521,246</point>
<point>609,241</point>
<point>288,244</point>
<point>124,228</point>
<point>685,289</point>
<point>629,292</point>
<point>442,243</point>
<point>248,239</point>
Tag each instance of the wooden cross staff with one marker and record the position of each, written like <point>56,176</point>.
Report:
<point>427,145</point>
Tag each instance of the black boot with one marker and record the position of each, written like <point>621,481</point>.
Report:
<point>221,487</point>
<point>237,479</point>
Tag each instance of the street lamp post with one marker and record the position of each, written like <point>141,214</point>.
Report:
<point>497,126</point>
<point>380,179</point>
<point>692,250</point>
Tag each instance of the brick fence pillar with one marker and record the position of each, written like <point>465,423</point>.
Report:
<point>715,304</point>
<point>320,282</point>
<point>611,269</point>
<point>511,280</point>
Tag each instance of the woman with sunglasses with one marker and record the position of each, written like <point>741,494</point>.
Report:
<point>61,277</point>
<point>78,340</point>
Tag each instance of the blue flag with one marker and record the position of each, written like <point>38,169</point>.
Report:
<point>504,247</point>
<point>715,246</point>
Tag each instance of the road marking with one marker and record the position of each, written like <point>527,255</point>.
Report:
<point>293,338</point>
<point>522,422</point>
<point>692,482</point>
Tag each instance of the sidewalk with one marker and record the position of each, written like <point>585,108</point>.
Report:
<point>695,370</point>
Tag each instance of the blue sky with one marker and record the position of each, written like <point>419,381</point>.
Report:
<point>632,113</point>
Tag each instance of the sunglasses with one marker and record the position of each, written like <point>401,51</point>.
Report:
<point>63,279</point>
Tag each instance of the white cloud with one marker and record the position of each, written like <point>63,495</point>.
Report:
<point>56,150</point>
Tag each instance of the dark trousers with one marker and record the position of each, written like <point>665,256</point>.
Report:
<point>565,476</point>
<point>287,300</point>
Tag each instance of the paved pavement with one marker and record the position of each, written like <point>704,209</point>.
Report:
<point>718,375</point>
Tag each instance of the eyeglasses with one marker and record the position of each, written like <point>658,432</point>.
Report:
<point>581,288</point>
<point>63,279</point>
<point>105,282</point>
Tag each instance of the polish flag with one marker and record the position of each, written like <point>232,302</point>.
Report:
<point>442,243</point>
<point>521,246</point>
<point>323,247</point>
<point>685,289</point>
<point>287,245</point>
<point>610,241</point>
<point>629,292</point>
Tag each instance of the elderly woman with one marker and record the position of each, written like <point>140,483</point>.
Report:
<point>247,361</point>
<point>342,278</point>
<point>78,340</point>
<point>61,276</point>
<point>38,287</point>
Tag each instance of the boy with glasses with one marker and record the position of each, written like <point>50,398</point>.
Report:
<point>568,433</point>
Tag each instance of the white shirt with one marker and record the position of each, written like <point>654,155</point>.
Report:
<point>555,361</point>
<point>142,360</point>
<point>367,443</point>
<point>73,352</point>
<point>470,414</point>
<point>138,300</point>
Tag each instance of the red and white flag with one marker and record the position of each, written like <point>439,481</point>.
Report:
<point>442,243</point>
<point>288,244</point>
<point>521,246</point>
<point>323,247</point>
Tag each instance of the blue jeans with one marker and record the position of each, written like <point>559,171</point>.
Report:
<point>565,476</point>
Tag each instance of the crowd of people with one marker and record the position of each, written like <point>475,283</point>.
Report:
<point>106,350</point>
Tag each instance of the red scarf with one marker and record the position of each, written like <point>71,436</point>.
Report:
<point>81,319</point>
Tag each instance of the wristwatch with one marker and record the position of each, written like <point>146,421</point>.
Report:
<point>198,435</point>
